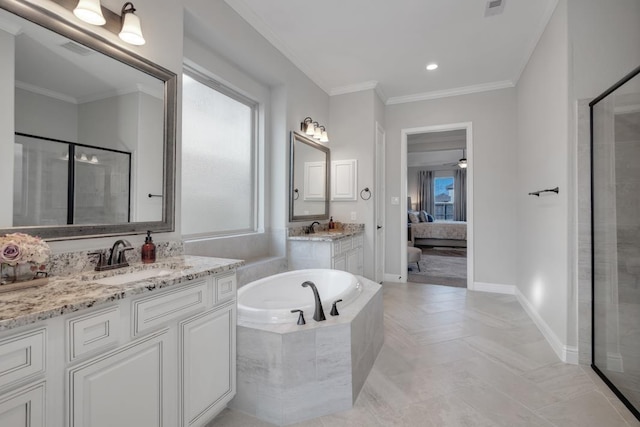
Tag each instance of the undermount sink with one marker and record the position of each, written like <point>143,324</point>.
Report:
<point>136,276</point>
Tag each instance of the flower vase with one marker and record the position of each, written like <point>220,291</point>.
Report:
<point>20,276</point>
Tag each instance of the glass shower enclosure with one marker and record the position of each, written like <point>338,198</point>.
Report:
<point>615,216</point>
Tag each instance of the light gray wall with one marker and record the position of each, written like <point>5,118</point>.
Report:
<point>233,51</point>
<point>542,162</point>
<point>493,117</point>
<point>352,136</point>
<point>44,116</point>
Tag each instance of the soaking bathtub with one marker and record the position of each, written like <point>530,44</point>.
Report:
<point>270,300</point>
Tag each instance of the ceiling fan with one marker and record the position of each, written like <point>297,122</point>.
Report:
<point>462,163</point>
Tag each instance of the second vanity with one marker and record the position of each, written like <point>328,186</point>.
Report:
<point>339,250</point>
<point>142,346</point>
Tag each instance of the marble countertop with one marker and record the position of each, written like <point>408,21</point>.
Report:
<point>325,236</point>
<point>66,294</point>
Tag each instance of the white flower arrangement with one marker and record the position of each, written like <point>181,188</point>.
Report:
<point>20,248</point>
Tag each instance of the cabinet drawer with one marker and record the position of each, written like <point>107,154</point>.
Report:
<point>93,331</point>
<point>225,287</point>
<point>154,311</point>
<point>22,356</point>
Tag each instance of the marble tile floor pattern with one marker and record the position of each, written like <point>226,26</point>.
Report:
<point>454,357</point>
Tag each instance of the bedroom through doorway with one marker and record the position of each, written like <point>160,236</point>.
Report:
<point>437,207</point>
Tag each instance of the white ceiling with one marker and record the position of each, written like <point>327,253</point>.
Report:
<point>345,46</point>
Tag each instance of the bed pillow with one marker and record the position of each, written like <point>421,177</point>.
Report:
<point>430,218</point>
<point>413,217</point>
<point>423,216</point>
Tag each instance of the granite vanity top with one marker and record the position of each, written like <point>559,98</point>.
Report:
<point>66,294</point>
<point>326,235</point>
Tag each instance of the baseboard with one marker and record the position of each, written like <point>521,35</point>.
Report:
<point>494,288</point>
<point>393,278</point>
<point>567,354</point>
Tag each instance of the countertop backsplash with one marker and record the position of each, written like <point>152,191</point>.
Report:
<point>68,263</point>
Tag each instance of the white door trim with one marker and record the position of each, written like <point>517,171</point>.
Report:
<point>404,133</point>
<point>379,203</point>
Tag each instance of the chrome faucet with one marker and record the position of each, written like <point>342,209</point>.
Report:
<point>310,229</point>
<point>318,314</point>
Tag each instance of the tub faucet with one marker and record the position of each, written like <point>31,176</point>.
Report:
<point>310,229</point>
<point>318,314</point>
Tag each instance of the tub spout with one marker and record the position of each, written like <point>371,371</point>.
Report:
<point>318,314</point>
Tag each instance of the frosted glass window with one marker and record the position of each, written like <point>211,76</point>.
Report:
<point>218,160</point>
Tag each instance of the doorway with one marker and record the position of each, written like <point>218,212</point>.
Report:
<point>438,148</point>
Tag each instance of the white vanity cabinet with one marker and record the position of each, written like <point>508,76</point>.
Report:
<point>158,359</point>
<point>339,253</point>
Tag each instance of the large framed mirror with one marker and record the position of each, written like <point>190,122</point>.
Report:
<point>309,179</point>
<point>89,147</point>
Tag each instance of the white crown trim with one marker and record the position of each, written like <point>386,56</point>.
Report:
<point>46,92</point>
<point>358,87</point>
<point>485,87</point>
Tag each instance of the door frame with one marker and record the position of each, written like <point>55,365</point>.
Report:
<point>379,203</point>
<point>404,133</point>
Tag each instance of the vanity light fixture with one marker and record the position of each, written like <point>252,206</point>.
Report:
<point>131,31</point>
<point>323,136</point>
<point>307,126</point>
<point>94,159</point>
<point>90,12</point>
<point>314,129</point>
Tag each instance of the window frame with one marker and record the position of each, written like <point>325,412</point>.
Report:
<point>254,105</point>
<point>444,204</point>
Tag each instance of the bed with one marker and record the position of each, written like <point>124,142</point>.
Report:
<point>439,233</point>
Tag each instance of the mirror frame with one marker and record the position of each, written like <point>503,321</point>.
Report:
<point>299,137</point>
<point>47,19</point>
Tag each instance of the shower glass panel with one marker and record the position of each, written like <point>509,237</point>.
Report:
<point>615,148</point>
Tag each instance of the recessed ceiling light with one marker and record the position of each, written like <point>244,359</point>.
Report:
<point>431,67</point>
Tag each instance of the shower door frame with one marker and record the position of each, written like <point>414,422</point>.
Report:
<point>635,411</point>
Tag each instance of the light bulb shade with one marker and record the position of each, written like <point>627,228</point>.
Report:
<point>317,134</point>
<point>83,157</point>
<point>131,31</point>
<point>324,137</point>
<point>310,130</point>
<point>94,159</point>
<point>462,163</point>
<point>90,12</point>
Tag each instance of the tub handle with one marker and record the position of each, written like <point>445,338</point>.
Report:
<point>334,309</point>
<point>301,317</point>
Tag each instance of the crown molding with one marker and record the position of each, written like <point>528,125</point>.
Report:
<point>485,87</point>
<point>46,92</point>
<point>358,87</point>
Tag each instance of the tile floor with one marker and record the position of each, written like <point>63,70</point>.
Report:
<point>454,357</point>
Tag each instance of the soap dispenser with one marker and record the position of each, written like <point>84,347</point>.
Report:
<point>332,224</point>
<point>148,250</point>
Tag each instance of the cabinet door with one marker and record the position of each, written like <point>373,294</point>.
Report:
<point>23,407</point>
<point>354,261</point>
<point>340,262</point>
<point>207,364</point>
<point>125,387</point>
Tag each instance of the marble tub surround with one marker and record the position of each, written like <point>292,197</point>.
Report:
<point>323,233</point>
<point>289,373</point>
<point>69,263</point>
<point>69,293</point>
